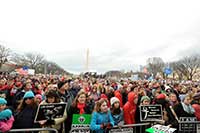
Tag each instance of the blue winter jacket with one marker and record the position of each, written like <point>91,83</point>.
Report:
<point>118,118</point>
<point>100,118</point>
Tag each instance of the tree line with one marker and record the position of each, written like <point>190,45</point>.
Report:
<point>34,61</point>
<point>186,68</point>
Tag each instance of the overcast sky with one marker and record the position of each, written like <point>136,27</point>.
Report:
<point>119,34</point>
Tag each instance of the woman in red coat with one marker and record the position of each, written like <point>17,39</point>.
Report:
<point>130,108</point>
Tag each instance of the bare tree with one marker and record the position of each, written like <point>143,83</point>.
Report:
<point>31,60</point>
<point>19,59</point>
<point>4,54</point>
<point>187,67</point>
<point>155,65</point>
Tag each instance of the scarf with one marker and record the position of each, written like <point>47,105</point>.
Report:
<point>81,107</point>
<point>188,108</point>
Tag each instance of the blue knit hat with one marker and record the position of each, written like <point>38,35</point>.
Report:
<point>29,94</point>
<point>145,98</point>
<point>3,101</point>
<point>5,114</point>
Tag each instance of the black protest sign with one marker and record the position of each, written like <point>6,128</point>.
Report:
<point>50,111</point>
<point>188,124</point>
<point>151,113</point>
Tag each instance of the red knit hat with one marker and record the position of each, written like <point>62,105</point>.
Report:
<point>161,96</point>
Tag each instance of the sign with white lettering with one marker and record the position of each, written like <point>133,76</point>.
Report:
<point>121,130</point>
<point>151,113</point>
<point>50,111</point>
<point>187,124</point>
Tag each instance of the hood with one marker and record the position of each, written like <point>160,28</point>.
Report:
<point>131,97</point>
<point>104,96</point>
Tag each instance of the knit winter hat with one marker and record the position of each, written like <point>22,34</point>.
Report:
<point>3,101</point>
<point>52,93</point>
<point>161,96</point>
<point>113,100</point>
<point>7,113</point>
<point>38,96</point>
<point>145,98</point>
<point>29,94</point>
<point>60,84</point>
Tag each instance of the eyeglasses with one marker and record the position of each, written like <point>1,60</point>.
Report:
<point>28,98</point>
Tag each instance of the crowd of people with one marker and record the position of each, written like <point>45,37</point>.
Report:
<point>111,102</point>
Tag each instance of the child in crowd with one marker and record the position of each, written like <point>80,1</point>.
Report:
<point>101,117</point>
<point>6,118</point>
<point>116,111</point>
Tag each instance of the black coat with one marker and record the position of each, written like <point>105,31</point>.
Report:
<point>180,111</point>
<point>75,110</point>
<point>25,118</point>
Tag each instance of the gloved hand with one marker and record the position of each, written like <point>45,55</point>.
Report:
<point>50,122</point>
<point>103,126</point>
<point>109,125</point>
<point>120,124</point>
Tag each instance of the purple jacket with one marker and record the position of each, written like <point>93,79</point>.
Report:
<point>6,125</point>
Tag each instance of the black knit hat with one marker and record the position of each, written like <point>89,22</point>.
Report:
<point>52,93</point>
<point>60,84</point>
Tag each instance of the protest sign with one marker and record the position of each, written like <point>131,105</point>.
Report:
<point>50,111</point>
<point>81,123</point>
<point>121,130</point>
<point>151,113</point>
<point>187,124</point>
<point>160,129</point>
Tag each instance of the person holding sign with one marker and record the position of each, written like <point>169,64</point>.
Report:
<point>52,97</point>
<point>102,119</point>
<point>169,119</point>
<point>78,106</point>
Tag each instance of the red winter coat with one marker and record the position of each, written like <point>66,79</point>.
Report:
<point>3,87</point>
<point>130,109</point>
<point>197,111</point>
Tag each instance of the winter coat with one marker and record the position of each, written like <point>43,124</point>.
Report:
<point>75,110</point>
<point>25,118</point>
<point>99,118</point>
<point>67,97</point>
<point>197,111</point>
<point>130,109</point>
<point>17,98</point>
<point>6,125</point>
<point>180,111</point>
<point>118,118</point>
<point>58,121</point>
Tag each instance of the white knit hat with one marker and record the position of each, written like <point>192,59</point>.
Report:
<point>113,100</point>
